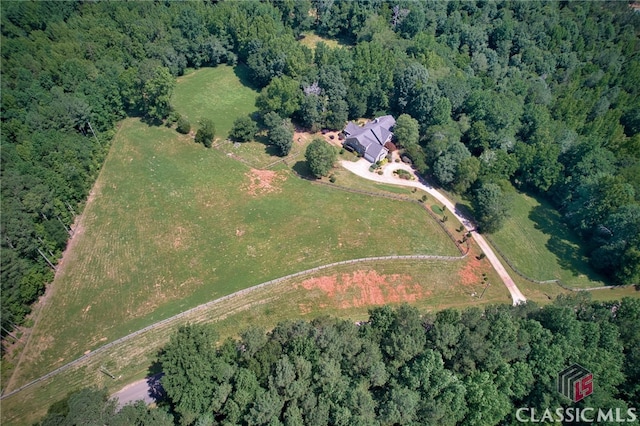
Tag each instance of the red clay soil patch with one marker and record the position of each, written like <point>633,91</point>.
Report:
<point>365,288</point>
<point>263,182</point>
<point>471,274</point>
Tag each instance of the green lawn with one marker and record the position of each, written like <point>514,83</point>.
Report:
<point>536,241</point>
<point>222,94</point>
<point>174,225</point>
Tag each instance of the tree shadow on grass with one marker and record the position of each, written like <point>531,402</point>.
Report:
<point>562,242</point>
<point>302,169</point>
<point>268,148</point>
<point>242,72</point>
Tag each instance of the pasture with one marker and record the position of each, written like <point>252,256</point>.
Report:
<point>173,225</point>
<point>345,291</point>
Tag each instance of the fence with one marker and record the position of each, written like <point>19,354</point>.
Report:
<point>220,300</point>
<point>463,251</point>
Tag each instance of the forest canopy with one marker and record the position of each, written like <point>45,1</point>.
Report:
<point>540,96</point>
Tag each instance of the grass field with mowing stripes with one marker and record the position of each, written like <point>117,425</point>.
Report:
<point>304,297</point>
<point>174,225</point>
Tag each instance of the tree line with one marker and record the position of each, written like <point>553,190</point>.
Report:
<point>542,97</point>
<point>400,367</point>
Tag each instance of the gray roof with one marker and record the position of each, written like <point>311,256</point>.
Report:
<point>374,150</point>
<point>373,135</point>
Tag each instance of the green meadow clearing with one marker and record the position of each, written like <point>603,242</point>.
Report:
<point>310,39</point>
<point>221,94</point>
<point>536,241</point>
<point>173,225</point>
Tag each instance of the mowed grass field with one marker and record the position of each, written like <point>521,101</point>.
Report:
<point>536,241</point>
<point>346,291</point>
<point>221,94</point>
<point>173,225</point>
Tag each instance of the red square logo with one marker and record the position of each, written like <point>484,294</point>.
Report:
<point>575,382</point>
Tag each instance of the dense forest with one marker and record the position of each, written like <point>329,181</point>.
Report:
<point>474,367</point>
<point>538,96</point>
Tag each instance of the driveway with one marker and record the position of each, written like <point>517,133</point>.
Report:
<point>361,168</point>
<point>149,390</point>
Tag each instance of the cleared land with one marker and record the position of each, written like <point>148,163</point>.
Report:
<point>344,291</point>
<point>310,39</point>
<point>174,225</point>
<point>536,241</point>
<point>221,94</point>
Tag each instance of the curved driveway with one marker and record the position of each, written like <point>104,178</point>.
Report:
<point>361,168</point>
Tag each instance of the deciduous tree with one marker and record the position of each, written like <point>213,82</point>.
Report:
<point>244,129</point>
<point>320,157</point>
<point>282,138</point>
<point>490,207</point>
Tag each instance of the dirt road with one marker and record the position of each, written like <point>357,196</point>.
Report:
<point>361,168</point>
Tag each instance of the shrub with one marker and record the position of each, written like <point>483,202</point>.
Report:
<point>184,126</point>
<point>403,174</point>
<point>332,178</point>
<point>172,118</point>
<point>206,133</point>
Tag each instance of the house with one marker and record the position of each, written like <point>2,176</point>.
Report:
<point>369,140</point>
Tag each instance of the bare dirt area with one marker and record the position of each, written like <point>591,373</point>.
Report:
<point>263,182</point>
<point>364,288</point>
<point>471,274</point>
<point>302,137</point>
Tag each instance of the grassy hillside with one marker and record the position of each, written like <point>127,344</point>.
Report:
<point>434,285</point>
<point>173,225</point>
<point>536,241</point>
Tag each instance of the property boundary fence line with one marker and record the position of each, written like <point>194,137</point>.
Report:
<point>463,251</point>
<point>554,281</point>
<point>222,299</point>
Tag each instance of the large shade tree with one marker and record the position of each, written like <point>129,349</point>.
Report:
<point>320,157</point>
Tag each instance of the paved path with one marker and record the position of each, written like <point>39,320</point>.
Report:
<point>361,168</point>
<point>147,389</point>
